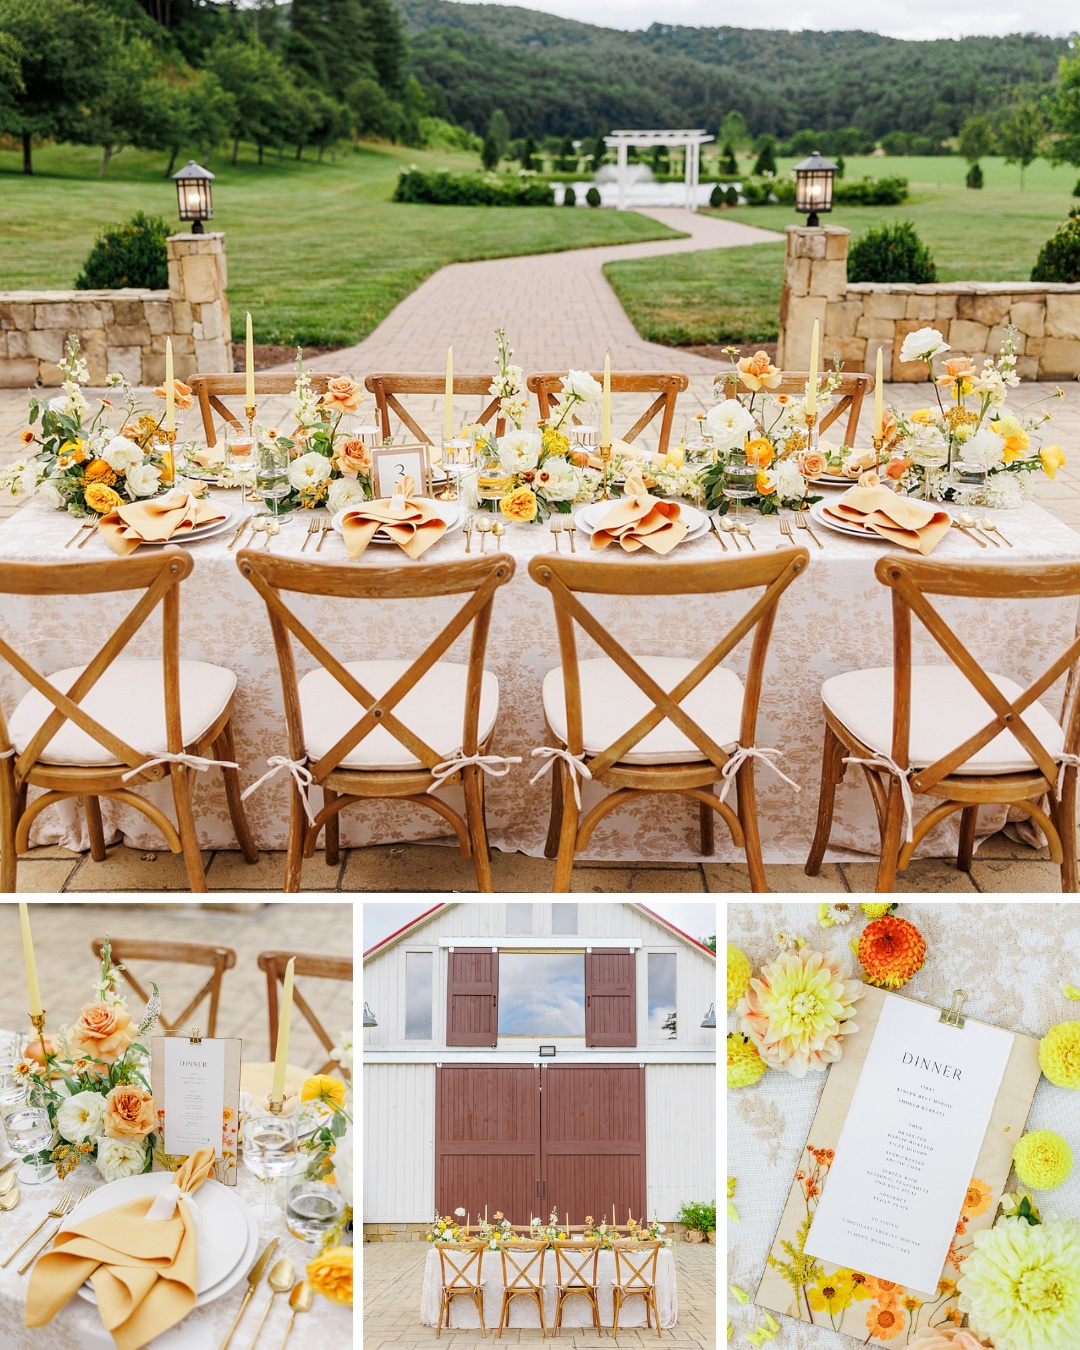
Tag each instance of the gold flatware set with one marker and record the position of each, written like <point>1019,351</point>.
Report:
<point>982,531</point>
<point>317,525</point>
<point>77,1200</point>
<point>83,533</point>
<point>64,1205</point>
<point>560,525</point>
<point>280,1278</point>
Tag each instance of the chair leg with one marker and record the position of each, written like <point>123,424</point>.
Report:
<point>474,814</point>
<point>185,822</point>
<point>707,828</point>
<point>969,818</point>
<point>294,849</point>
<point>618,1305</point>
<point>568,831</point>
<point>442,1309</point>
<point>744,785</point>
<point>95,828</point>
<point>551,847</point>
<point>655,1312</point>
<point>225,748</point>
<point>480,1314</point>
<point>503,1314</point>
<point>890,839</point>
<point>540,1305</point>
<point>333,832</point>
<point>1066,824</point>
<point>832,771</point>
<point>9,819</point>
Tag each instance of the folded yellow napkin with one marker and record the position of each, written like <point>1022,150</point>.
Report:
<point>901,520</point>
<point>638,520</point>
<point>413,524</point>
<point>144,1271</point>
<point>168,517</point>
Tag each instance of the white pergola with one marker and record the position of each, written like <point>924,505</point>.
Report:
<point>692,141</point>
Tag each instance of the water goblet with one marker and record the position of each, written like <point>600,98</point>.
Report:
<point>740,483</point>
<point>312,1207</point>
<point>272,477</point>
<point>269,1151</point>
<point>30,1134</point>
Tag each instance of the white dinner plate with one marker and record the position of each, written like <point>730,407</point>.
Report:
<point>834,480</point>
<point>589,517</point>
<point>855,531</point>
<point>201,531</point>
<point>227,1231</point>
<point>454,513</point>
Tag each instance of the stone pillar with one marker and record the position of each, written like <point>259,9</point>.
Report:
<point>815,276</point>
<point>201,333</point>
<point>622,175</point>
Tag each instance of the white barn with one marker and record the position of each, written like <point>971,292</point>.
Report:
<point>526,1055</point>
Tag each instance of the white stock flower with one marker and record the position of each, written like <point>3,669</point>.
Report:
<point>81,1117</point>
<point>519,451</point>
<point>460,1213</point>
<point>121,454</point>
<point>343,492</point>
<point>309,470</point>
<point>556,480</point>
<point>119,1158</point>
<point>50,493</point>
<point>923,345</point>
<point>991,384</point>
<point>582,385</point>
<point>143,480</point>
<point>730,423</point>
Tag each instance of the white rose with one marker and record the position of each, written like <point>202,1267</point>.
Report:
<point>119,1158</point>
<point>50,494</point>
<point>121,454</point>
<point>557,480</point>
<point>81,1117</point>
<point>582,385</point>
<point>923,345</point>
<point>309,470</point>
<point>143,480</point>
<point>28,479</point>
<point>518,451</point>
<point>729,423</point>
<point>344,492</point>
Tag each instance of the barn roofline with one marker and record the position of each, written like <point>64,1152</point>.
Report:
<point>446,904</point>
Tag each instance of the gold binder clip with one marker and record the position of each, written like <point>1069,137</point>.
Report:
<point>952,1016</point>
<point>195,1036</point>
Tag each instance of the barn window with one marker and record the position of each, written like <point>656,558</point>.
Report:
<point>662,996</point>
<point>541,994</point>
<point>519,919</point>
<point>564,919</point>
<point>418,968</point>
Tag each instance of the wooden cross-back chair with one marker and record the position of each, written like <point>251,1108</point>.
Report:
<point>461,1283</point>
<point>848,396</point>
<point>955,733</point>
<point>518,1262</point>
<point>623,716</point>
<point>311,967</point>
<point>575,1275</point>
<point>387,387</point>
<point>110,726</point>
<point>667,385</point>
<point>211,389</point>
<point>353,725</point>
<point>219,959</point>
<point>635,1277</point>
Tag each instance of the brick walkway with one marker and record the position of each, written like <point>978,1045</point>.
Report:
<point>392,1275</point>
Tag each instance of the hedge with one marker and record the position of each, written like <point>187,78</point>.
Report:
<point>471,189</point>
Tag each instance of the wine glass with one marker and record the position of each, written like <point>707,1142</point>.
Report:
<point>272,476</point>
<point>312,1207</point>
<point>740,482</point>
<point>31,1135</point>
<point>269,1150</point>
<point>928,454</point>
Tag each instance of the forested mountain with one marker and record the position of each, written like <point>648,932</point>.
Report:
<point>556,76</point>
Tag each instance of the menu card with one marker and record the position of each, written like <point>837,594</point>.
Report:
<point>196,1085</point>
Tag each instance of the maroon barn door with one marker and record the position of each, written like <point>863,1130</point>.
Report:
<point>592,1152</point>
<point>487,1139</point>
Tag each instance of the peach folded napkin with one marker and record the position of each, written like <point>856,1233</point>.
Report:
<point>163,518</point>
<point>412,523</point>
<point>144,1271</point>
<point>901,520</point>
<point>638,520</point>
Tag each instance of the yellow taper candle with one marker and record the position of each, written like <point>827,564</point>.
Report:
<point>29,962</point>
<point>811,384</point>
<point>282,1056</point>
<point>605,412</point>
<point>170,389</point>
<point>878,418</point>
<point>448,405</point>
<point>249,358</point>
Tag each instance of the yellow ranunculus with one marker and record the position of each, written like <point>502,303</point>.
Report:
<point>323,1088</point>
<point>98,471</point>
<point>102,499</point>
<point>764,487</point>
<point>519,505</point>
<point>1016,439</point>
<point>923,417</point>
<point>331,1275</point>
<point>760,452</point>
<point>1053,458</point>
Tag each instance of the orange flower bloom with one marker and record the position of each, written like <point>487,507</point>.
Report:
<point>342,395</point>
<point>27,436</point>
<point>958,374</point>
<point>977,1199</point>
<point>885,1322</point>
<point>885,1291</point>
<point>98,471</point>
<point>181,393</point>
<point>897,466</point>
<point>764,487</point>
<point>129,1113</point>
<point>891,951</point>
<point>758,372</point>
<point>760,452</point>
<point>954,1315</point>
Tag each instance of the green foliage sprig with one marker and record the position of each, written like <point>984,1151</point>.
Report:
<point>468,189</point>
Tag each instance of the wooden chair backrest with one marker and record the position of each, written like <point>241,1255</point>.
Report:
<point>911,581</point>
<point>211,389</point>
<point>848,394</point>
<point>220,959</point>
<point>518,1275</point>
<point>667,385</point>
<point>461,1279</point>
<point>479,578</point>
<point>567,578</point>
<point>579,1259</point>
<point>387,386</point>
<point>310,967</point>
<point>158,575</point>
<point>639,1261</point>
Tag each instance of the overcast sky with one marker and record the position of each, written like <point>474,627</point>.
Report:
<point>912,19</point>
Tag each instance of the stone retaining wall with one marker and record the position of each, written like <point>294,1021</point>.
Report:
<point>859,317</point>
<point>125,330</point>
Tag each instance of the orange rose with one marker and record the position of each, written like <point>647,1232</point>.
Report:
<point>102,499</point>
<point>897,466</point>
<point>958,371</point>
<point>811,464</point>
<point>342,394</point>
<point>331,1275</point>
<point>352,458</point>
<point>98,471</point>
<point>103,1031</point>
<point>760,452</point>
<point>519,505</point>
<point>758,372</point>
<point>181,393</point>
<point>129,1113</point>
<point>33,1050</point>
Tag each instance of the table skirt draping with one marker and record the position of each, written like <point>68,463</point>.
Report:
<point>836,617</point>
<point>577,1312</point>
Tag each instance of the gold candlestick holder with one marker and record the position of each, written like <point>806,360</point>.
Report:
<point>878,441</point>
<point>38,1021</point>
<point>276,1105</point>
<point>168,458</point>
<point>811,423</point>
<point>249,413</point>
<point>605,461</point>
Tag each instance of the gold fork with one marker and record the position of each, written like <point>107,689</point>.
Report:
<point>327,526</point>
<point>86,525</point>
<point>86,1190</point>
<point>89,533</point>
<point>804,524</point>
<point>569,526</point>
<point>785,529</point>
<point>314,525</point>
<point>555,526</point>
<point>57,1212</point>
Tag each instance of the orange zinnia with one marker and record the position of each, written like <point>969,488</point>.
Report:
<point>977,1199</point>
<point>885,1322</point>
<point>99,471</point>
<point>891,951</point>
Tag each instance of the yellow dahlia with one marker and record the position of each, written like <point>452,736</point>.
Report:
<point>797,1008</point>
<point>1042,1160</point>
<point>1020,1286</point>
<point>739,971</point>
<point>1059,1055</point>
<point>891,950</point>
<point>877,909</point>
<point>744,1065</point>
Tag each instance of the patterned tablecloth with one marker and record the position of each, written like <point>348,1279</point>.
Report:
<point>835,617</point>
<point>1012,959</point>
<point>577,1312</point>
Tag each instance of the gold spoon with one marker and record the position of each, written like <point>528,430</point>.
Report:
<point>744,529</point>
<point>989,527</point>
<point>498,529</point>
<point>280,1280</point>
<point>968,522</point>
<point>484,526</point>
<point>6,1183</point>
<point>728,526</point>
<point>10,1199</point>
<point>299,1301</point>
<point>964,530</point>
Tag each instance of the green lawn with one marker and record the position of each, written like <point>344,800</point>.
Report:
<point>734,294</point>
<point>317,252</point>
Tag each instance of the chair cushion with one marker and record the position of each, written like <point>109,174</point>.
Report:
<point>433,709</point>
<point>129,700</point>
<point>945,710</point>
<point>611,703</point>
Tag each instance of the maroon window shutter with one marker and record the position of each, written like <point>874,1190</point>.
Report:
<point>610,997</point>
<point>472,996</point>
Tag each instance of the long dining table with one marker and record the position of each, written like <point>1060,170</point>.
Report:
<point>835,617</point>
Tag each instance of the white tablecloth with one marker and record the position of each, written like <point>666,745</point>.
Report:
<point>577,1312</point>
<point>835,617</point>
<point>1012,960</point>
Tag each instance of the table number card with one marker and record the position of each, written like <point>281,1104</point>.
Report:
<point>196,1085</point>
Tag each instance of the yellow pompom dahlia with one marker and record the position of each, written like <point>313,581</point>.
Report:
<point>891,951</point>
<point>1059,1055</point>
<point>1042,1160</point>
<point>797,1008</point>
<point>739,971</point>
<point>877,909</point>
<point>744,1065</point>
<point>1020,1286</point>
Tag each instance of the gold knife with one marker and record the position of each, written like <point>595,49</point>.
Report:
<point>254,1276</point>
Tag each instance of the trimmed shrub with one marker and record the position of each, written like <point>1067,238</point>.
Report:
<point>471,189</point>
<point>841,167</point>
<point>592,197</point>
<point>766,160</point>
<point>1076,189</point>
<point>974,177</point>
<point>569,196</point>
<point>131,254</point>
<point>717,197</point>
<point>892,252</point>
<point>1059,257</point>
<point>731,196</point>
<point>727,159</point>
<point>871,192</point>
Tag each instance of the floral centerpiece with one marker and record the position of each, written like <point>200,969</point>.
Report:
<point>92,459</point>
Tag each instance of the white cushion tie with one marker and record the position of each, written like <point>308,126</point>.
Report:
<point>738,758</point>
<point>1066,760</point>
<point>164,1206</point>
<point>903,778</point>
<point>198,762</point>
<point>302,777</point>
<point>498,766</point>
<point>7,754</point>
<point>575,763</point>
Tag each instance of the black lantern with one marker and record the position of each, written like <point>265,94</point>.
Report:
<point>194,194</point>
<point>813,186</point>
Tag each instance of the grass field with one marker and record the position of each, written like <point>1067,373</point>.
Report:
<point>734,294</point>
<point>317,252</point>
